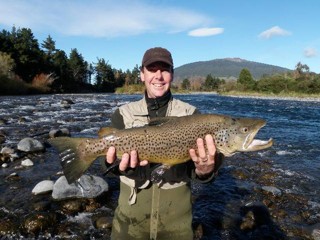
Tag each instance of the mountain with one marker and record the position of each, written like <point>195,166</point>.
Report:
<point>226,68</point>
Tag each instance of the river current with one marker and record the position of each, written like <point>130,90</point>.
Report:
<point>294,159</point>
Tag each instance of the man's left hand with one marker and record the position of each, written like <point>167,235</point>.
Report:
<point>204,157</point>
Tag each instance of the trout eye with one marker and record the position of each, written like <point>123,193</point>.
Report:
<point>244,130</point>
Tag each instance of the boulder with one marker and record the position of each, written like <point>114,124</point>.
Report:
<point>86,187</point>
<point>43,187</point>
<point>30,145</point>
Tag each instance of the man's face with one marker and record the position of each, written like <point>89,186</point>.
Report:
<point>157,78</point>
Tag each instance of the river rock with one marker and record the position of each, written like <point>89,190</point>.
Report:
<point>7,227</point>
<point>63,132</point>
<point>4,157</point>
<point>316,231</point>
<point>66,101</point>
<point>72,206</point>
<point>30,145</point>
<point>27,163</point>
<point>86,187</point>
<point>2,138</point>
<point>7,150</point>
<point>43,187</point>
<point>36,222</point>
<point>104,223</point>
<point>3,121</point>
<point>273,190</point>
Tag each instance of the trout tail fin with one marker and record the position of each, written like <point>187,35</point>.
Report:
<point>73,163</point>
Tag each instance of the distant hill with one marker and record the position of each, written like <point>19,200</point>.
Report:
<point>226,68</point>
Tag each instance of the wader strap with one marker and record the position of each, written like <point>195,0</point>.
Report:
<point>154,212</point>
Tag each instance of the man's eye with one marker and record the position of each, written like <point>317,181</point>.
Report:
<point>152,68</point>
<point>156,68</point>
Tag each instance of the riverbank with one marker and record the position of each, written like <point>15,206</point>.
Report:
<point>289,96</point>
<point>282,96</point>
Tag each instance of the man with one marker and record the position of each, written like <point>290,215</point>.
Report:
<point>148,207</point>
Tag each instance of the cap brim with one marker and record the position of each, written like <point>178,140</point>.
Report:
<point>153,60</point>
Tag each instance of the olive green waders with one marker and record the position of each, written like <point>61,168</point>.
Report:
<point>157,214</point>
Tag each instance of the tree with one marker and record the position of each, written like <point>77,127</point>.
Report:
<point>63,82</point>
<point>26,53</point>
<point>49,46</point>
<point>302,68</point>
<point>246,79</point>
<point>105,79</point>
<point>7,64</point>
<point>302,71</point>
<point>6,43</point>
<point>185,85</point>
<point>78,66</point>
<point>211,83</point>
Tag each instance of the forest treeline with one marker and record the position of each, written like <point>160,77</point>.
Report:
<point>299,81</point>
<point>27,67</point>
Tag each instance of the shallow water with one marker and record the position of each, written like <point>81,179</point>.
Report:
<point>294,158</point>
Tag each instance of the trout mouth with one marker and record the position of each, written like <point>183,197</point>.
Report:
<point>257,144</point>
<point>251,144</point>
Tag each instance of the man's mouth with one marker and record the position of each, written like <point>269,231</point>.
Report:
<point>158,85</point>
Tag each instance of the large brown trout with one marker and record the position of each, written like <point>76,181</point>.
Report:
<point>166,140</point>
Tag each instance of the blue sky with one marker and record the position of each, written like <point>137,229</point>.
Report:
<point>277,32</point>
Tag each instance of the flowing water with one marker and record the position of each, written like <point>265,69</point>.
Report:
<point>294,160</point>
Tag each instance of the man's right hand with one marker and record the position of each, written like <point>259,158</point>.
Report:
<point>127,160</point>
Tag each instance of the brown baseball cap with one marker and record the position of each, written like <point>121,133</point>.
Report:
<point>157,54</point>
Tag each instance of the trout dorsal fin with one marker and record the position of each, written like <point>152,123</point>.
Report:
<point>104,131</point>
<point>160,121</point>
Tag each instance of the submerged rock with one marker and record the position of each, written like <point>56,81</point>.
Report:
<point>273,190</point>
<point>36,222</point>
<point>2,138</point>
<point>104,223</point>
<point>86,187</point>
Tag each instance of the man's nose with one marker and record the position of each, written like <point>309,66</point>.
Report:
<point>158,74</point>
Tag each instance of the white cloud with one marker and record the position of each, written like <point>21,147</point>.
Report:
<point>204,32</point>
<point>310,52</point>
<point>274,31</point>
<point>99,18</point>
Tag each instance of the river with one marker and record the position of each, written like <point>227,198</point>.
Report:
<point>291,166</point>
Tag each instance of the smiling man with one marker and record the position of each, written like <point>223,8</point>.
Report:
<point>148,207</point>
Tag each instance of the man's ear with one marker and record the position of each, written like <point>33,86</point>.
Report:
<point>142,76</point>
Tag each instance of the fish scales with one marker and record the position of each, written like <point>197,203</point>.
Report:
<point>169,145</point>
<point>165,141</point>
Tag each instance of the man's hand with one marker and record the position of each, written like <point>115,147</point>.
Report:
<point>204,157</point>
<point>127,160</point>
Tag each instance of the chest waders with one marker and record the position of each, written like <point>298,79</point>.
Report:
<point>154,217</point>
<point>152,212</point>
